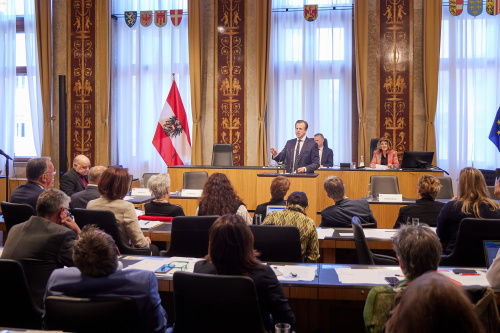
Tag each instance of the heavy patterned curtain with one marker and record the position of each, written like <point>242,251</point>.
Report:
<point>310,74</point>
<point>469,91</point>
<point>361,40</point>
<point>143,60</point>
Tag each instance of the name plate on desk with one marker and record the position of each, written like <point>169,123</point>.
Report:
<point>390,197</point>
<point>191,193</point>
<point>140,192</point>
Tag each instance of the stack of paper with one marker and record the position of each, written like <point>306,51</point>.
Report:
<point>295,273</point>
<point>143,224</point>
<point>367,275</point>
<point>325,232</point>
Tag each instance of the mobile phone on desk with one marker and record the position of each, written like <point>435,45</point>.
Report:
<point>393,281</point>
<point>462,271</point>
<point>164,269</point>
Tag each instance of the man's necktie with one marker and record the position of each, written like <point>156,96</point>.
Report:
<point>297,151</point>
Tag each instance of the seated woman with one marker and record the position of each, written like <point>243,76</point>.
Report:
<point>219,198</point>
<point>295,215</point>
<point>113,186</point>
<point>384,154</point>
<point>425,209</point>
<point>472,201</point>
<point>279,187</point>
<point>159,186</point>
<point>231,252</point>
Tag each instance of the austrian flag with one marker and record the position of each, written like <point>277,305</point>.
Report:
<point>171,138</point>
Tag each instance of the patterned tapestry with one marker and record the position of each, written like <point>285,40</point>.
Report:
<point>230,111</point>
<point>82,79</point>
<point>396,72</point>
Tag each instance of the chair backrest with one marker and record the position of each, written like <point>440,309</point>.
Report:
<point>384,185</point>
<point>373,147</point>
<point>106,220</point>
<point>469,248</point>
<point>189,236</point>
<point>155,218</point>
<point>446,191</point>
<point>14,213</point>
<point>146,176</point>
<point>215,303</point>
<point>365,256</point>
<point>489,176</point>
<point>222,154</point>
<point>100,314</point>
<point>277,243</point>
<point>194,180</point>
<point>491,192</point>
<point>17,308</point>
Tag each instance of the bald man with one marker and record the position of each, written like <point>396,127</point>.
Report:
<point>76,179</point>
<point>82,198</point>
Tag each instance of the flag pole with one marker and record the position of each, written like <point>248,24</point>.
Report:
<point>173,76</point>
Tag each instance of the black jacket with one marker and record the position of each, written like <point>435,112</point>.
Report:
<point>72,183</point>
<point>340,214</point>
<point>425,209</point>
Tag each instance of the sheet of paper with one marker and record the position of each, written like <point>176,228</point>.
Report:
<point>379,233</point>
<point>139,212</point>
<point>367,276</point>
<point>468,280</point>
<point>296,273</point>
<point>148,224</point>
<point>346,234</point>
<point>325,232</point>
<point>147,264</point>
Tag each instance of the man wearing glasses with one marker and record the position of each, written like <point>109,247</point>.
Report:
<point>76,179</point>
<point>40,173</point>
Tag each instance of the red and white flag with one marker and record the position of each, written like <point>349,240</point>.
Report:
<point>171,139</point>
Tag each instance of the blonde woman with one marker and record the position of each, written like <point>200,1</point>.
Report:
<point>385,155</point>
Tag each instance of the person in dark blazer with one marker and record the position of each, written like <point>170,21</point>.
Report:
<point>97,274</point>
<point>279,188</point>
<point>76,179</point>
<point>325,153</point>
<point>40,173</point>
<point>308,154</point>
<point>340,214</point>
<point>82,198</point>
<point>44,242</point>
<point>425,209</point>
<point>231,252</point>
<point>159,186</point>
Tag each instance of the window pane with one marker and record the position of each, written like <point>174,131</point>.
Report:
<point>23,143</point>
<point>20,50</point>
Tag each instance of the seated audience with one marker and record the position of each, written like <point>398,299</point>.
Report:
<point>425,209</point>
<point>385,155</point>
<point>433,303</point>
<point>295,215</point>
<point>91,192</point>
<point>220,198</point>
<point>340,214</point>
<point>472,201</point>
<point>418,250</point>
<point>279,188</point>
<point>40,173</point>
<point>325,153</point>
<point>76,179</point>
<point>113,186</point>
<point>97,275</point>
<point>231,252</point>
<point>44,242</point>
<point>159,186</point>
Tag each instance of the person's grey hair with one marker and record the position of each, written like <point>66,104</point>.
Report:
<point>418,248</point>
<point>158,184</point>
<point>334,187</point>
<point>319,134</point>
<point>95,173</point>
<point>36,167</point>
<point>50,201</point>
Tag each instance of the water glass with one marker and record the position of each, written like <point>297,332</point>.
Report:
<point>258,219</point>
<point>415,222</point>
<point>369,196</point>
<point>353,165</point>
<point>282,328</point>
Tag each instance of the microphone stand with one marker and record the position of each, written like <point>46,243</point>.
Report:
<point>7,158</point>
<point>439,169</point>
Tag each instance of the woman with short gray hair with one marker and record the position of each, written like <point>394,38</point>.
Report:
<point>159,186</point>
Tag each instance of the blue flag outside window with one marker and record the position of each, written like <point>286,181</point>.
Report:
<point>495,131</point>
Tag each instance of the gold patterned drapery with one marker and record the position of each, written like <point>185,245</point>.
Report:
<point>395,73</point>
<point>82,79</point>
<point>230,111</point>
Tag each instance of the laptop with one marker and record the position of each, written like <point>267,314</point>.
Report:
<point>491,248</point>
<point>272,208</point>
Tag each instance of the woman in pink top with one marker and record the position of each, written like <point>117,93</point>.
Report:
<point>385,155</point>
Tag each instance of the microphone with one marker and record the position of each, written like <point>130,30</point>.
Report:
<point>4,154</point>
<point>171,159</point>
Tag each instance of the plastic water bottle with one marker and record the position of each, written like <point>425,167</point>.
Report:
<point>369,196</point>
<point>362,162</point>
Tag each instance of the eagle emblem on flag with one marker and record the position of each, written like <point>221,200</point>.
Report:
<point>475,7</point>
<point>493,7</point>
<point>130,18</point>
<point>456,7</point>
<point>176,16</point>
<point>160,18</point>
<point>173,127</point>
<point>310,12</point>
<point>146,18</point>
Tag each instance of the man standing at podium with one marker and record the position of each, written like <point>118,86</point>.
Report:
<point>301,154</point>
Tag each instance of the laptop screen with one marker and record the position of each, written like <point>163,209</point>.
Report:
<point>271,208</point>
<point>490,251</point>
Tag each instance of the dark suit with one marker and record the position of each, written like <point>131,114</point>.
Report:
<point>308,157</point>
<point>82,198</point>
<point>262,208</point>
<point>41,246</point>
<point>72,183</point>
<point>327,157</point>
<point>26,194</point>
<point>140,285</point>
<point>425,209</point>
<point>341,213</point>
<point>272,300</point>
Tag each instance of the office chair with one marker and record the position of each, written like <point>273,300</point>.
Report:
<point>145,178</point>
<point>15,213</point>
<point>373,147</point>
<point>491,192</point>
<point>365,256</point>
<point>106,220</point>
<point>446,191</point>
<point>99,314</point>
<point>194,180</point>
<point>222,154</point>
<point>384,185</point>
<point>277,243</point>
<point>17,308</point>
<point>490,176</point>
<point>215,303</point>
<point>469,247</point>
